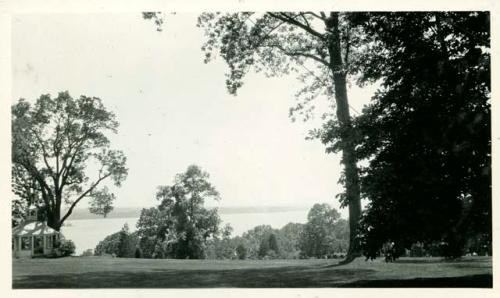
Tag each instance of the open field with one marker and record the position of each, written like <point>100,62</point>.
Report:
<point>100,272</point>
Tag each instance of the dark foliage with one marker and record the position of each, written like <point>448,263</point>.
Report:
<point>325,234</point>
<point>126,243</point>
<point>138,253</point>
<point>180,226</point>
<point>273,243</point>
<point>121,244</point>
<point>63,248</point>
<point>426,134</point>
<point>241,251</point>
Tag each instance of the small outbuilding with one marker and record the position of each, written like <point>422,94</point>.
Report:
<point>33,238</point>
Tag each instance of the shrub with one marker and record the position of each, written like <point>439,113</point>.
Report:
<point>122,244</point>
<point>241,251</point>
<point>63,248</point>
<point>108,246</point>
<point>67,248</point>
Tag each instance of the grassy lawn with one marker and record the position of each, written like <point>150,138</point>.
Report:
<point>100,272</point>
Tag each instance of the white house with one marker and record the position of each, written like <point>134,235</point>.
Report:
<point>33,238</point>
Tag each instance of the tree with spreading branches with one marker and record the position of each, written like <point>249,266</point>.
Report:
<point>56,144</point>
<point>322,48</point>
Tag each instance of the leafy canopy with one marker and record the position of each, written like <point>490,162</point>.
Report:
<point>280,43</point>
<point>56,144</point>
<point>180,226</point>
<point>426,134</point>
<point>323,233</point>
<point>102,204</point>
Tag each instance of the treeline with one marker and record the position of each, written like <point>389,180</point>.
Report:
<point>180,227</point>
<point>325,235</point>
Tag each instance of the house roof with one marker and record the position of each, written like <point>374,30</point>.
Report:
<point>35,228</point>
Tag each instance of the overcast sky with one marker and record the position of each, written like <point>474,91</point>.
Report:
<point>174,110</point>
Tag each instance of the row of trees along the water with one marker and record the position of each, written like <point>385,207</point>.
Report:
<point>424,139</point>
<point>181,227</point>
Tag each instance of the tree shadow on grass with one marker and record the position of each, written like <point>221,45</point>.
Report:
<point>420,261</point>
<point>468,281</point>
<point>425,260</point>
<point>289,277</point>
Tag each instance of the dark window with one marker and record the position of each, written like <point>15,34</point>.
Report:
<point>26,243</point>
<point>48,242</point>
<point>38,245</point>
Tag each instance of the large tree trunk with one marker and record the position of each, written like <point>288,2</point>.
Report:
<point>54,216</point>
<point>54,220</point>
<point>344,118</point>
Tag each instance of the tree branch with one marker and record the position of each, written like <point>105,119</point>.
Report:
<point>34,172</point>
<point>315,15</point>
<point>83,195</point>
<point>45,154</point>
<point>283,17</point>
<point>305,19</point>
<point>65,167</point>
<point>57,150</point>
<point>263,39</point>
<point>298,53</point>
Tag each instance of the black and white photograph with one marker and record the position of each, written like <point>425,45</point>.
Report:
<point>271,148</point>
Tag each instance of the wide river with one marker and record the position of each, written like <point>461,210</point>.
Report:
<point>86,233</point>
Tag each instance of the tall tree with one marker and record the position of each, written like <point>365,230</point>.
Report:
<point>320,46</point>
<point>273,244</point>
<point>154,229</point>
<point>126,247</point>
<point>255,238</point>
<point>54,144</point>
<point>180,226</point>
<point>289,240</point>
<point>318,237</point>
<point>426,135</point>
<point>264,247</point>
<point>241,251</point>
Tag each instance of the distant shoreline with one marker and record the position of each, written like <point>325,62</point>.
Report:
<point>131,212</point>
